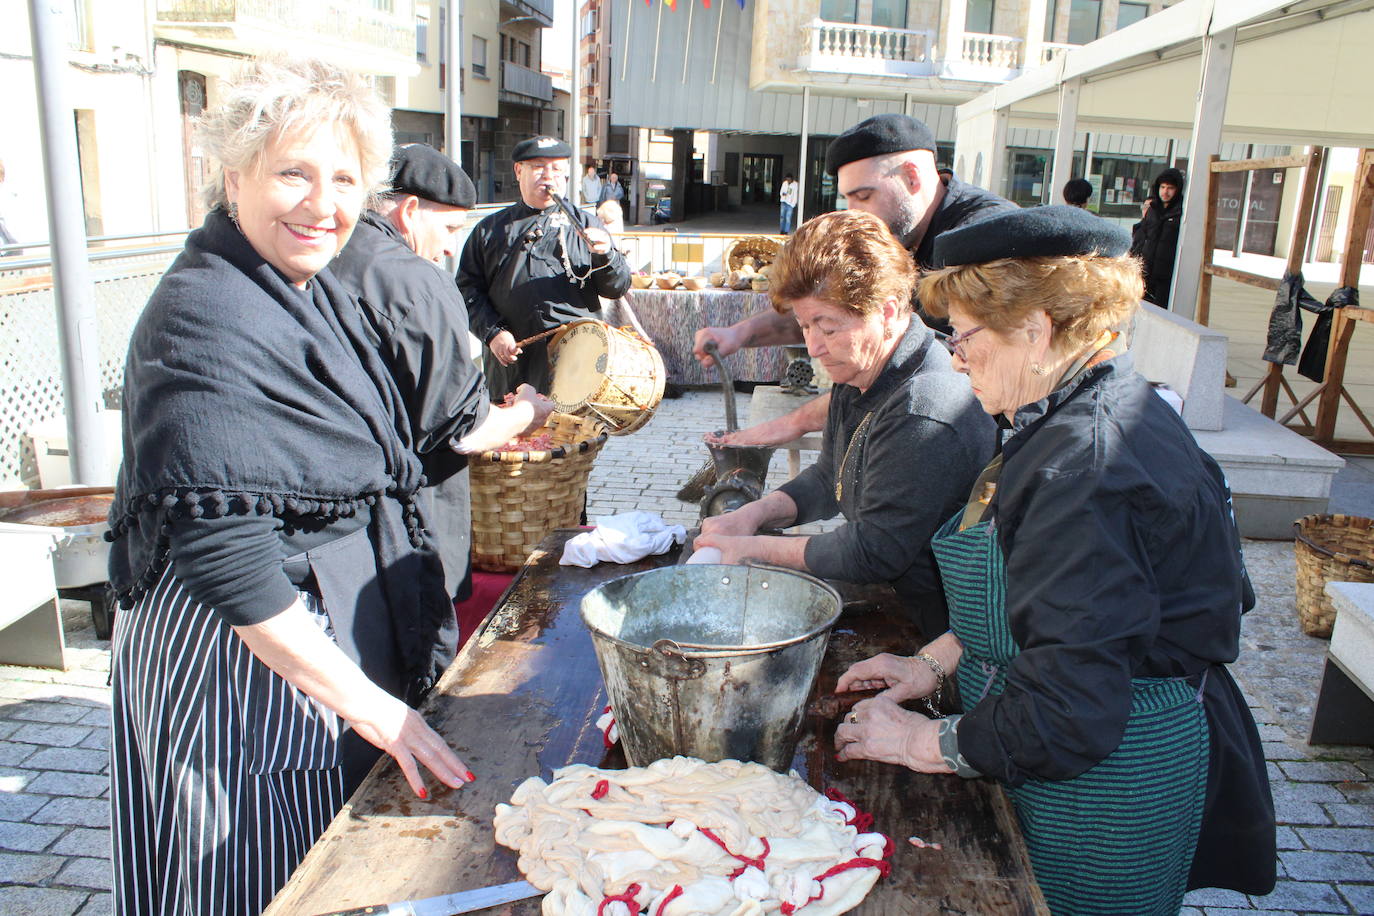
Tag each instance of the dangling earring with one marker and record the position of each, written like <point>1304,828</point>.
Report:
<point>233,209</point>
<point>887,333</point>
<point>1038,369</point>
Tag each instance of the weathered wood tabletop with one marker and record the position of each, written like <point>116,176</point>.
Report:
<point>522,699</point>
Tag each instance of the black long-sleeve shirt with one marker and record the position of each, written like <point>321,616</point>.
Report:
<point>908,471</point>
<point>512,274</point>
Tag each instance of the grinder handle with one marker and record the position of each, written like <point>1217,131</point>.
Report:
<point>727,386</point>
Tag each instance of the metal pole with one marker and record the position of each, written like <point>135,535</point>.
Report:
<point>797,217</point>
<point>453,87</point>
<point>574,89</point>
<point>1213,86</point>
<point>72,286</point>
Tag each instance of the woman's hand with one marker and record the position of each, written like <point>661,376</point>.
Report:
<point>394,727</point>
<point>900,677</point>
<point>504,349</point>
<point>739,523</point>
<point>541,405</point>
<point>733,550</point>
<point>293,645</point>
<point>879,729</point>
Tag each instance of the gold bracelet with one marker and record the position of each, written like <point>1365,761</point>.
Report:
<point>932,699</point>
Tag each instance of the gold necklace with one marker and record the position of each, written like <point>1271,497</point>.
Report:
<point>853,437</point>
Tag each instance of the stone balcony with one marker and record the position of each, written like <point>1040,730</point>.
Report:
<point>354,31</point>
<point>962,64</point>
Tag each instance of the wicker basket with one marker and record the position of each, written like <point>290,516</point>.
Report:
<point>519,497</point>
<point>761,248</point>
<point>1330,548</point>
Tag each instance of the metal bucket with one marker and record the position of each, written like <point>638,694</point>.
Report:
<point>711,661</point>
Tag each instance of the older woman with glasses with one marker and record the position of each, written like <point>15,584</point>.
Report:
<point>1095,587</point>
<point>904,438</point>
<point>282,601</point>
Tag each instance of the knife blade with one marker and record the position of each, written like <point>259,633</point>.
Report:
<point>450,904</point>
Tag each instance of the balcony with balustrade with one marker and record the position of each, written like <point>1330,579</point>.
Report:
<point>378,35</point>
<point>963,64</point>
<point>841,47</point>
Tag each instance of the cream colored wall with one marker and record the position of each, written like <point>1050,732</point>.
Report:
<point>132,190</point>
<point>779,40</point>
<point>421,92</point>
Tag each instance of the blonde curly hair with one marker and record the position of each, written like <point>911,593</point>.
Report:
<point>1083,295</point>
<point>275,96</point>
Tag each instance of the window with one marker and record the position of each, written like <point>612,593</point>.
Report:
<point>978,16</point>
<point>526,49</point>
<point>422,37</point>
<point>1131,13</point>
<point>383,6</point>
<point>889,14</point>
<point>840,10</point>
<point>1084,19</point>
<point>479,56</point>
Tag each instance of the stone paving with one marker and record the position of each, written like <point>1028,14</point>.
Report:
<point>54,726</point>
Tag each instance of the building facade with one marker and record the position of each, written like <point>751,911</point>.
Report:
<point>755,78</point>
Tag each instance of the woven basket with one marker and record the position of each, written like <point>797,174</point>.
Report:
<point>519,497</point>
<point>1330,548</point>
<point>759,247</point>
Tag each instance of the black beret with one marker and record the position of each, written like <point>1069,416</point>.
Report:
<point>430,175</point>
<point>1034,232</point>
<point>541,148</point>
<point>878,136</point>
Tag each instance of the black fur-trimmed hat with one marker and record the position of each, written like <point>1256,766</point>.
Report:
<point>1034,232</point>
<point>878,136</point>
<point>430,175</point>
<point>542,147</point>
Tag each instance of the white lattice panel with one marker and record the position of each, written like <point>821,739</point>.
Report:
<point>31,356</point>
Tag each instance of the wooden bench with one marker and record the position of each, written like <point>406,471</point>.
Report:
<point>1344,713</point>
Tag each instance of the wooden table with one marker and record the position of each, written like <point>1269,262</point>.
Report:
<point>522,698</point>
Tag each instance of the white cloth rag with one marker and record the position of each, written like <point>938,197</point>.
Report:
<point>622,538</point>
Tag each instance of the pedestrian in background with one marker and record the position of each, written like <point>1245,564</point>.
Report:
<point>1077,192</point>
<point>787,203</point>
<point>1154,240</point>
<point>591,187</point>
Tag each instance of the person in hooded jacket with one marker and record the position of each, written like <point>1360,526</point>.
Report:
<point>1154,239</point>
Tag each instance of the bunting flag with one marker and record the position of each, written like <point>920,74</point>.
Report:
<point>672,5</point>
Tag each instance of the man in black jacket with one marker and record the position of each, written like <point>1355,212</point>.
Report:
<point>526,270</point>
<point>1155,238</point>
<point>420,326</point>
<point>884,165</point>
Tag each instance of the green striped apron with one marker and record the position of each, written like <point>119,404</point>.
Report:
<point>1119,838</point>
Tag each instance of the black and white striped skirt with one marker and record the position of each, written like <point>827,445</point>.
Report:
<point>222,773</point>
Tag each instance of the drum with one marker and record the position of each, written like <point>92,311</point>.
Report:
<point>608,373</point>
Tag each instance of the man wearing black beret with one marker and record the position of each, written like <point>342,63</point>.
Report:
<point>420,327</point>
<point>526,269</point>
<point>884,165</point>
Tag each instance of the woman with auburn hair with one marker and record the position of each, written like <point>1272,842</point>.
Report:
<point>1095,587</point>
<point>281,599</point>
<point>904,437</point>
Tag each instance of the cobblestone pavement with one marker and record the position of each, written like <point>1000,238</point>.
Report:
<point>54,726</point>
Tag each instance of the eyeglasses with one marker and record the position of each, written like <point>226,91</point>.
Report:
<point>954,343</point>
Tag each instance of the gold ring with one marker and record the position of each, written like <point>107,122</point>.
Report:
<point>853,718</point>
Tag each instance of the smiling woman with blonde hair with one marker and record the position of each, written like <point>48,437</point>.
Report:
<point>281,599</point>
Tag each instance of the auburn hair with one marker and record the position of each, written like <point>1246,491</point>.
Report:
<point>846,258</point>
